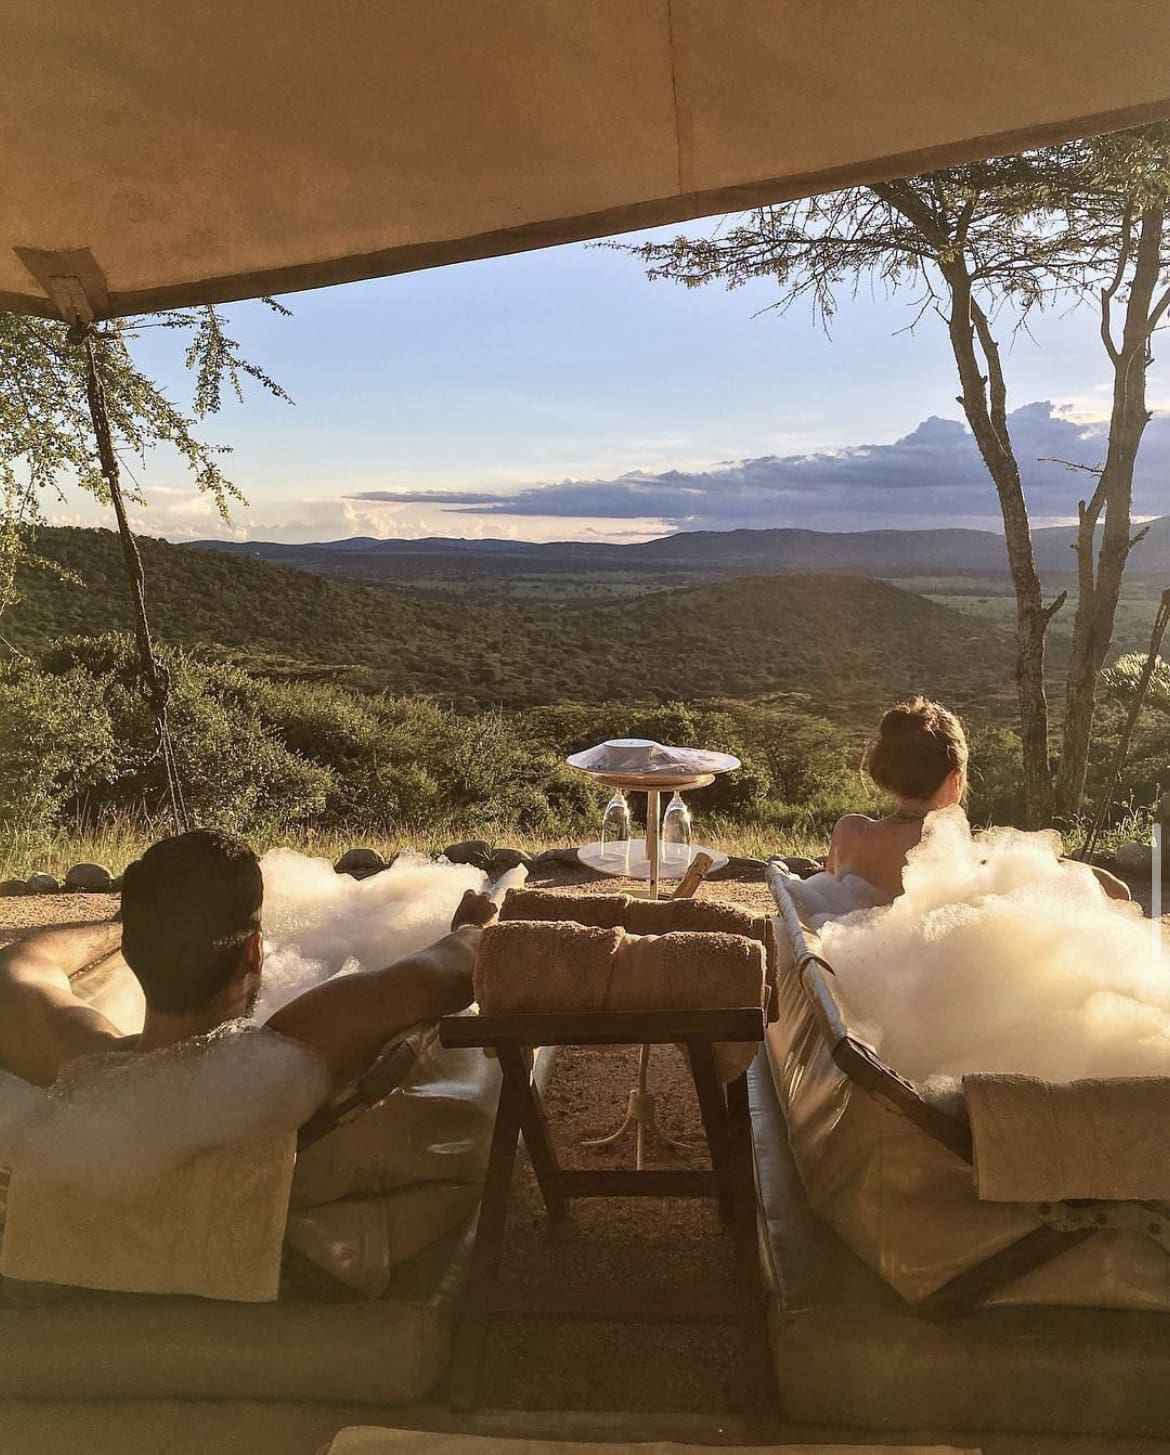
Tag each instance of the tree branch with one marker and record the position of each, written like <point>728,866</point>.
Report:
<point>1109,292</point>
<point>1051,610</point>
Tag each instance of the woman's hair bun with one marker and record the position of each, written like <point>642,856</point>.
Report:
<point>918,744</point>
<point>906,720</point>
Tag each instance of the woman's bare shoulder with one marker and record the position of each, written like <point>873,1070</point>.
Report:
<point>851,824</point>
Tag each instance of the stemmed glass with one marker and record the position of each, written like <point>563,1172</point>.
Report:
<point>676,834</point>
<point>615,832</point>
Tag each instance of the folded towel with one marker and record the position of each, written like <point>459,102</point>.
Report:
<point>534,965</point>
<point>531,965</point>
<point>1039,1141</point>
<point>639,916</point>
<point>693,972</point>
<point>606,910</point>
<point>213,1227</point>
<point>661,917</point>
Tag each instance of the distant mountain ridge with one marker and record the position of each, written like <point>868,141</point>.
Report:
<point>873,553</point>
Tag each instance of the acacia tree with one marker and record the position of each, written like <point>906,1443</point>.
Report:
<point>47,438</point>
<point>983,246</point>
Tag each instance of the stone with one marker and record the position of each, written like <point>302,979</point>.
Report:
<point>798,864</point>
<point>360,863</point>
<point>42,884</point>
<point>556,858</point>
<point>472,851</point>
<point>89,879</point>
<point>740,867</point>
<point>10,888</point>
<point>504,859</point>
<point>1134,858</point>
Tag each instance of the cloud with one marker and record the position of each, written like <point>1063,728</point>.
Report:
<point>932,476</point>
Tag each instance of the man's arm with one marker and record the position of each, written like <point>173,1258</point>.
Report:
<point>347,1020</point>
<point>42,1022</point>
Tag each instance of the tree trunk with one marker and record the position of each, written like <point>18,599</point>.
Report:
<point>1099,581</point>
<point>984,401</point>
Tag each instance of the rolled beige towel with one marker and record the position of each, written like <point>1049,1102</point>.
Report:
<point>527,966</point>
<point>606,910</point>
<point>664,916</point>
<point>541,965</point>
<point>692,971</point>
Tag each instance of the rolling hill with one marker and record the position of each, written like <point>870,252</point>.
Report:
<point>839,639</point>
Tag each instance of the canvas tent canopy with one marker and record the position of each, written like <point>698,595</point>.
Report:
<point>163,154</point>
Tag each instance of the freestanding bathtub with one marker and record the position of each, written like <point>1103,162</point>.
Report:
<point>901,1300</point>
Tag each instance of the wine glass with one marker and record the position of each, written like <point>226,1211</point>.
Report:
<point>615,832</point>
<point>676,834</point>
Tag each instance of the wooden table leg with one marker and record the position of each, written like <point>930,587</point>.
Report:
<point>713,1110</point>
<point>534,1125</point>
<point>485,1258</point>
<point>758,1392</point>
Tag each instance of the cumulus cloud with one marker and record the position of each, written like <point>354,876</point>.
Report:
<point>931,476</point>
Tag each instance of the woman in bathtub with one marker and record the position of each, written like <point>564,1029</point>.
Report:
<point>919,757</point>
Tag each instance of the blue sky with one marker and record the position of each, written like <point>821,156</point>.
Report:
<point>545,395</point>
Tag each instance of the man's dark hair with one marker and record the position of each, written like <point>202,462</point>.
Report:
<point>188,906</point>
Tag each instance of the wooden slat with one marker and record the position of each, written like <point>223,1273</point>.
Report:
<point>594,1028</point>
<point>1024,1256</point>
<point>713,1110</point>
<point>489,1241</point>
<point>534,1127</point>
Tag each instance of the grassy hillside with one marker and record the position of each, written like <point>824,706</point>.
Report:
<point>845,641</point>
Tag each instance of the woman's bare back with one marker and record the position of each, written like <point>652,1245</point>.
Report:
<point>874,849</point>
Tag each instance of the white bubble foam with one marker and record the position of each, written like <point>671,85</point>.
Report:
<point>318,923</point>
<point>1000,958</point>
<point>113,1121</point>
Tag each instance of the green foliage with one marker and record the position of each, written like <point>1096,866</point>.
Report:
<point>234,773</point>
<point>46,434</point>
<point>1120,681</point>
<point>262,755</point>
<point>56,742</point>
<point>996,776</point>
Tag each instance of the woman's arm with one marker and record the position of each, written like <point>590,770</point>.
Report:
<point>42,1023</point>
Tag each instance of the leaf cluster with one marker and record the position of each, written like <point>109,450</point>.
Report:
<point>46,435</point>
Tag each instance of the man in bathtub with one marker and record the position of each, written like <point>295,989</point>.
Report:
<point>190,931</point>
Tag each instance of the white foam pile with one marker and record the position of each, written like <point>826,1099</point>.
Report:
<point>116,1121</point>
<point>113,1121</point>
<point>1000,958</point>
<point>318,923</point>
